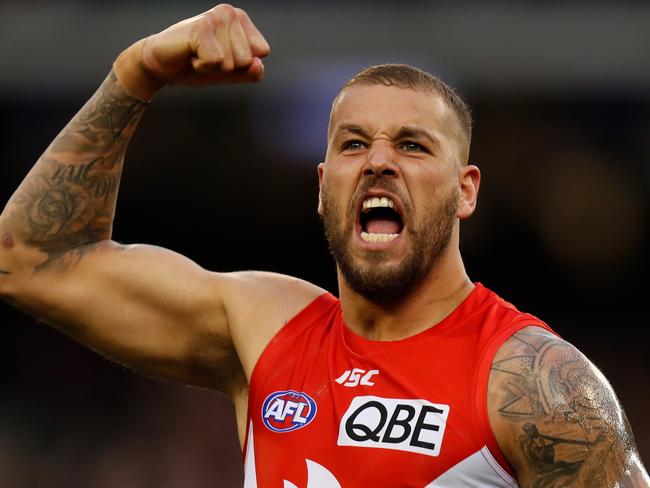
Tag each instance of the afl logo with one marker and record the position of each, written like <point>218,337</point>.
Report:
<point>284,411</point>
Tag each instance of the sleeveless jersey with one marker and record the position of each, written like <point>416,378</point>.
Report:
<point>328,408</point>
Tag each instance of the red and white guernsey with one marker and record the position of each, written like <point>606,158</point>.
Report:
<point>328,408</point>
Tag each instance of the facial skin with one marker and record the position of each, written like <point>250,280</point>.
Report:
<point>405,145</point>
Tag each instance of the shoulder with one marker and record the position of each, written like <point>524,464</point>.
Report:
<point>258,304</point>
<point>250,293</point>
<point>556,417</point>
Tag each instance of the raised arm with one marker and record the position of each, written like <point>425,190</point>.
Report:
<point>557,419</point>
<point>142,305</point>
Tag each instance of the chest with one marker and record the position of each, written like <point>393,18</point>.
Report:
<point>392,416</point>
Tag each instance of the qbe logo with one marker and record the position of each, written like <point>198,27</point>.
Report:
<point>391,423</point>
<point>284,411</point>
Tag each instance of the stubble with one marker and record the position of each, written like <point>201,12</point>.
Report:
<point>370,275</point>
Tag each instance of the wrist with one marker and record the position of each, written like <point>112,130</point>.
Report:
<point>133,76</point>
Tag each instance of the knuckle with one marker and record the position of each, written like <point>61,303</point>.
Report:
<point>226,10</point>
<point>241,13</point>
<point>215,21</point>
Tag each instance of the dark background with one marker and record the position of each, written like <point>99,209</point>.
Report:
<point>561,100</point>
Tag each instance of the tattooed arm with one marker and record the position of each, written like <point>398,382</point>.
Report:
<point>68,199</point>
<point>557,419</point>
<point>142,305</point>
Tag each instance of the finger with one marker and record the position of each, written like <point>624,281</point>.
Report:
<point>209,55</point>
<point>241,51</point>
<point>221,31</point>
<point>254,73</point>
<point>258,45</point>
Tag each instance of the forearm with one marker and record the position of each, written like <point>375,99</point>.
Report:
<point>68,198</point>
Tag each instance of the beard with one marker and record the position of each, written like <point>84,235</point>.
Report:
<point>372,278</point>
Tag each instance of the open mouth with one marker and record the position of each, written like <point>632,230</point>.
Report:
<point>380,221</point>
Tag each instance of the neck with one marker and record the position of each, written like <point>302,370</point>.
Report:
<point>444,288</point>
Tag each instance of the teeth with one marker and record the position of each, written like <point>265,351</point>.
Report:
<point>374,202</point>
<point>377,237</point>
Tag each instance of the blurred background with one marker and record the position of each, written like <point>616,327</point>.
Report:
<point>561,97</point>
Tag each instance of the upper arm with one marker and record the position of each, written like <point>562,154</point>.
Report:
<point>556,417</point>
<point>160,312</point>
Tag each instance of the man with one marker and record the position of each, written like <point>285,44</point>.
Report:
<point>415,377</point>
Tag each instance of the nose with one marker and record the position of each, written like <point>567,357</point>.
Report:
<point>380,160</point>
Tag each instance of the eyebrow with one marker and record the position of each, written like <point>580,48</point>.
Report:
<point>354,129</point>
<point>414,132</point>
<point>405,132</point>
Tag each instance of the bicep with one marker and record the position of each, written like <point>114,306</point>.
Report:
<point>144,306</point>
<point>556,417</point>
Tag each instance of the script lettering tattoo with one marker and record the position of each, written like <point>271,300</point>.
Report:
<point>68,200</point>
<point>571,431</point>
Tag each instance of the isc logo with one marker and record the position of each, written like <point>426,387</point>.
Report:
<point>284,411</point>
<point>356,377</point>
<point>390,423</point>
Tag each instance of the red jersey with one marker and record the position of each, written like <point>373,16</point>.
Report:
<point>328,408</point>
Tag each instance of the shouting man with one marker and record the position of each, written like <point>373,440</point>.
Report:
<point>414,376</point>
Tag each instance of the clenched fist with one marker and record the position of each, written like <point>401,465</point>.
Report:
<point>219,46</point>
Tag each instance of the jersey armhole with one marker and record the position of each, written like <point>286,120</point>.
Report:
<point>318,306</point>
<point>481,379</point>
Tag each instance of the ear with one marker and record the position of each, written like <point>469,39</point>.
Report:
<point>321,170</point>
<point>469,181</point>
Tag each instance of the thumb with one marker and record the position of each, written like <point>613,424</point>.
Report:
<point>256,69</point>
<point>255,72</point>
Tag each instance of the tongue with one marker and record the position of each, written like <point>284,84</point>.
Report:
<point>382,226</point>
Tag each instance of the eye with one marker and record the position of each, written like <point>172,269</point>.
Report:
<point>353,145</point>
<point>410,146</point>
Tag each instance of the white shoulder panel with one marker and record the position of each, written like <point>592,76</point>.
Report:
<point>480,470</point>
<point>250,474</point>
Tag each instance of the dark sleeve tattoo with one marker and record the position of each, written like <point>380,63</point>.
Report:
<point>68,199</point>
<point>569,429</point>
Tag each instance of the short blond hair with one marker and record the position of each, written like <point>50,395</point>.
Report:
<point>410,77</point>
